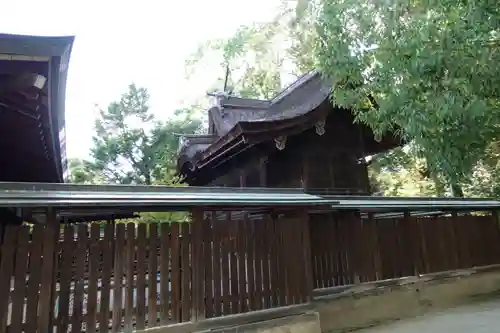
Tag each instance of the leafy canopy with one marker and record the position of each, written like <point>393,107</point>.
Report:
<point>132,147</point>
<point>425,69</point>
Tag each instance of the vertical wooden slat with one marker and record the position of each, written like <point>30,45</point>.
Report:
<point>141,277</point>
<point>21,263</point>
<point>226,296</point>
<point>242,279</point>
<point>165,284</point>
<point>6,270</point>
<point>330,249</point>
<point>398,248</point>
<point>340,250</point>
<point>367,253</point>
<point>208,253</point>
<point>293,267</point>
<point>186,271</point>
<point>107,267</point>
<point>233,266</point>
<point>47,279</point>
<point>217,277</point>
<point>176,274</point>
<point>152,271</point>
<point>306,247</point>
<point>118,277</point>
<point>198,263</point>
<point>414,240</point>
<point>265,261</point>
<point>324,267</point>
<point>342,239</point>
<point>94,253</point>
<point>314,251</point>
<point>320,246</point>
<point>129,286</point>
<point>56,271</point>
<point>258,263</point>
<point>424,245</point>
<point>287,246</point>
<point>81,256</point>
<point>332,245</point>
<point>280,262</point>
<point>273,261</point>
<point>467,260</point>
<point>65,278</point>
<point>494,239</point>
<point>250,262</point>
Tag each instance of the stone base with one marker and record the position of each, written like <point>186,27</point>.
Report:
<point>372,304</point>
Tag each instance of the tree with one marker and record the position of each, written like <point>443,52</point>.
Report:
<point>131,147</point>
<point>261,57</point>
<point>426,70</point>
<point>80,173</point>
<point>400,172</point>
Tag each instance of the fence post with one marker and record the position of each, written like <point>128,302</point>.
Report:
<point>307,254</point>
<point>198,306</point>
<point>48,278</point>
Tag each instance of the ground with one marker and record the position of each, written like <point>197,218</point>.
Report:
<point>477,318</point>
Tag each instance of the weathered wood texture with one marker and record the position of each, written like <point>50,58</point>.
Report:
<point>134,276</point>
<point>347,249</point>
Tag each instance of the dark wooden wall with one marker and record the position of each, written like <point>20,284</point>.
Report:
<point>323,161</point>
<point>309,160</point>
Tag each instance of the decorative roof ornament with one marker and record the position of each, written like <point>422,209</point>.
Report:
<point>221,95</point>
<point>320,127</point>
<point>280,142</point>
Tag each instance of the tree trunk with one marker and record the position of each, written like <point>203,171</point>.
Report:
<point>456,190</point>
<point>147,177</point>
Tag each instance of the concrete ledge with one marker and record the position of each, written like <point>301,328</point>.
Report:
<point>304,323</point>
<point>347,308</point>
<point>251,321</point>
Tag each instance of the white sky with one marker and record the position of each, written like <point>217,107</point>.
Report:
<point>120,42</point>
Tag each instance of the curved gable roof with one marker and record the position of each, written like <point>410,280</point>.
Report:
<point>47,56</point>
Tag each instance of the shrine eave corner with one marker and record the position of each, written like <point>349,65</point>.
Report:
<point>33,74</point>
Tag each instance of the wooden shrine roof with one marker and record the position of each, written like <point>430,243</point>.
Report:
<point>33,74</point>
<point>239,123</point>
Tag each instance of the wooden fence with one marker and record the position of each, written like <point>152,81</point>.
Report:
<point>136,276</point>
<point>347,249</point>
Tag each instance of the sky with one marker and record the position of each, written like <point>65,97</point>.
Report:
<point>120,42</point>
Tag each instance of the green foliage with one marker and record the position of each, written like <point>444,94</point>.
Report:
<point>132,147</point>
<point>430,66</point>
<point>401,172</point>
<point>261,55</point>
<point>80,172</point>
<point>485,177</point>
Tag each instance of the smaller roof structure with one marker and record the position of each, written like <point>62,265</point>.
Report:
<point>238,124</point>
